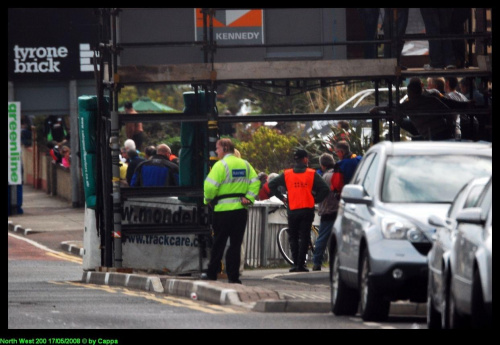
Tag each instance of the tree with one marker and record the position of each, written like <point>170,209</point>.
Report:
<point>268,150</point>
<point>318,145</point>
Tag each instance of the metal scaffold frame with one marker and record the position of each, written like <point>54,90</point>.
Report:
<point>289,76</point>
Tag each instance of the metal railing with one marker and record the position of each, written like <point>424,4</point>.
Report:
<point>265,220</point>
<point>261,249</point>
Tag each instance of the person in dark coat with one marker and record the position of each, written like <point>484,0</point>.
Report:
<point>157,171</point>
<point>304,189</point>
<point>133,161</point>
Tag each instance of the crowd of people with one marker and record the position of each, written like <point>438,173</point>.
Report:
<point>60,154</point>
<point>57,135</point>
<point>157,166</point>
<point>444,54</point>
<point>233,184</point>
<point>440,94</point>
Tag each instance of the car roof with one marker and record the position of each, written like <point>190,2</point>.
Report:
<point>479,181</point>
<point>403,148</point>
<point>465,193</point>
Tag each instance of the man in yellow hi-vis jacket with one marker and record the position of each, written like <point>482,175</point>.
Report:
<point>230,187</point>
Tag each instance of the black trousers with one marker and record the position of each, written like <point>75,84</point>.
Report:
<point>227,225</point>
<point>299,235</point>
<point>138,138</point>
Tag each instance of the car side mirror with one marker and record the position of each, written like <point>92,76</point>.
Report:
<point>353,193</point>
<point>436,221</point>
<point>440,223</point>
<point>470,215</point>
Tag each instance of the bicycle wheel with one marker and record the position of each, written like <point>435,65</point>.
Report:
<point>310,253</point>
<point>312,243</point>
<point>284,245</point>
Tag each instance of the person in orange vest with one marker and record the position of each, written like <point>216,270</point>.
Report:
<point>304,188</point>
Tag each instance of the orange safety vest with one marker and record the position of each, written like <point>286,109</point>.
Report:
<point>299,187</point>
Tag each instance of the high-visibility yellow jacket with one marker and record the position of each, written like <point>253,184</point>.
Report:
<point>230,179</point>
<point>123,171</point>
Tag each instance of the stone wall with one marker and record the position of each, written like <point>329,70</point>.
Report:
<point>63,181</point>
<point>41,173</point>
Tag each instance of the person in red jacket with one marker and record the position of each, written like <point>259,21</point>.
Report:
<point>344,169</point>
<point>54,152</point>
<point>265,192</point>
<point>305,188</point>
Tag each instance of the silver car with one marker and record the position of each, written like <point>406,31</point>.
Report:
<point>381,237</point>
<point>439,256</point>
<point>471,260</point>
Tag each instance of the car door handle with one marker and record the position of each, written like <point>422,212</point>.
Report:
<point>352,207</point>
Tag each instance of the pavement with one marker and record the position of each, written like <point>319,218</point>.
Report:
<point>54,223</point>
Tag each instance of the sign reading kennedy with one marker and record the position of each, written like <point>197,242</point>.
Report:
<point>233,26</point>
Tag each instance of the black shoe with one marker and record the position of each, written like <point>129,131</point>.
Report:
<point>317,268</point>
<point>302,269</point>
<point>293,269</point>
<point>205,276</point>
<point>237,281</point>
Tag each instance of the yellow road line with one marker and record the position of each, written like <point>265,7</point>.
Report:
<point>106,288</point>
<point>166,300</point>
<point>66,257</point>
<point>49,251</point>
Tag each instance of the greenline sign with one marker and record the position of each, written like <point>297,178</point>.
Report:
<point>14,143</point>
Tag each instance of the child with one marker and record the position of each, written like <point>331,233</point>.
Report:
<point>66,159</point>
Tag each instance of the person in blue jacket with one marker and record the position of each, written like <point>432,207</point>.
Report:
<point>157,171</point>
<point>346,166</point>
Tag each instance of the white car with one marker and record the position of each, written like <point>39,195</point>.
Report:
<point>381,237</point>
<point>439,256</point>
<point>471,272</point>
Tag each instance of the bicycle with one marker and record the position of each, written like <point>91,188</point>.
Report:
<point>284,245</point>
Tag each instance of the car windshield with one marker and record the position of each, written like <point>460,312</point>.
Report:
<point>430,179</point>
